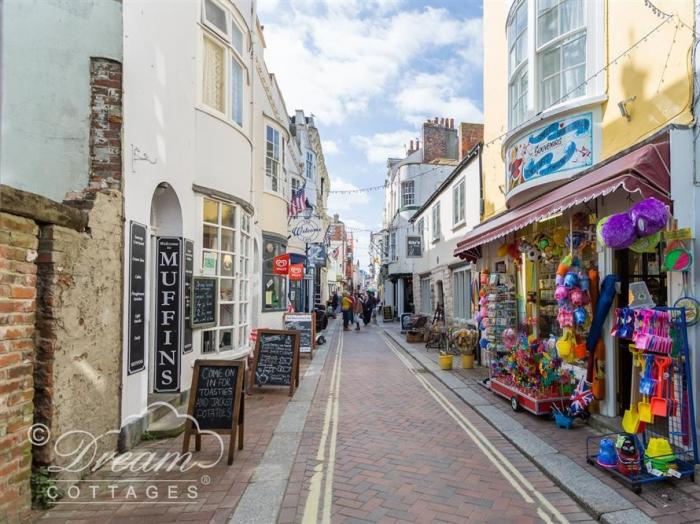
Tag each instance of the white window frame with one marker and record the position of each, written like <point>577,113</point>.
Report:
<point>458,198</point>
<point>233,279</point>
<point>310,165</point>
<point>524,83</point>
<point>392,245</point>
<point>435,215</point>
<point>233,48</point>
<point>461,294</point>
<point>408,192</point>
<point>558,42</point>
<point>420,229</point>
<point>426,306</point>
<point>276,178</point>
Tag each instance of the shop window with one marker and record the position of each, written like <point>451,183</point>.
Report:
<point>408,193</point>
<point>244,264</point>
<point>219,238</point>
<point>273,155</point>
<point>274,286</point>
<point>458,203</point>
<point>461,294</point>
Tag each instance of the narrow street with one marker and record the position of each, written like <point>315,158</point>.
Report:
<point>385,442</point>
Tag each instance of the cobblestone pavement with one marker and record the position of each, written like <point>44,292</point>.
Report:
<point>385,442</point>
<point>672,502</point>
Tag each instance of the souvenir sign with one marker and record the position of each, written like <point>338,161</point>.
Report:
<point>216,402</point>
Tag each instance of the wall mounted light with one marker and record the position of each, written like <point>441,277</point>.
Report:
<point>625,107</point>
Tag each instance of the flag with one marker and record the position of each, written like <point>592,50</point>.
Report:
<point>327,236</point>
<point>335,253</point>
<point>298,202</point>
<point>581,397</point>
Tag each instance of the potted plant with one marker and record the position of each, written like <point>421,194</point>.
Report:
<point>465,340</point>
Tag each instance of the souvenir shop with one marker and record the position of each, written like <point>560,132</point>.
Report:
<point>576,314</point>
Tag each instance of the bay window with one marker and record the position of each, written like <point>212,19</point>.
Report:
<point>561,49</point>
<point>408,193</point>
<point>517,64</point>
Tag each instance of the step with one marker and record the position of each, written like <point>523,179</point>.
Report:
<point>170,425</point>
<point>173,399</point>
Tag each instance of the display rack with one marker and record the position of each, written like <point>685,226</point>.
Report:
<point>677,428</point>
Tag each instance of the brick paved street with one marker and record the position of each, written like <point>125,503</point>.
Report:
<point>402,448</point>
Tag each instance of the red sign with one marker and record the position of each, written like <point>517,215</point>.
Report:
<point>280,264</point>
<point>296,272</point>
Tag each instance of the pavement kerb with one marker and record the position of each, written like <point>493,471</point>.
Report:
<point>599,500</point>
<point>262,499</point>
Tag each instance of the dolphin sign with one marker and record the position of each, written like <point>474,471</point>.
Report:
<point>557,130</point>
<point>545,166</point>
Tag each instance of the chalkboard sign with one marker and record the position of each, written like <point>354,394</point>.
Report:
<point>406,322</point>
<point>204,301</point>
<point>388,313</point>
<point>137,294</point>
<point>305,323</point>
<point>216,402</point>
<point>277,358</point>
<point>189,272</point>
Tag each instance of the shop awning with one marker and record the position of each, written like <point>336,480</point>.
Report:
<point>644,170</point>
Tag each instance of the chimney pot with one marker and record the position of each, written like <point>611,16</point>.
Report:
<point>452,123</point>
<point>411,149</point>
<point>417,145</point>
<point>436,120</point>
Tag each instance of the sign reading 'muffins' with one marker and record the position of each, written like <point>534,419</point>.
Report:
<point>168,302</point>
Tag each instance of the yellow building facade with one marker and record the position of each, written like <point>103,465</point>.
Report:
<point>628,55</point>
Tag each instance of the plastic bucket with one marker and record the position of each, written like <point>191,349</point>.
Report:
<point>445,362</point>
<point>467,361</point>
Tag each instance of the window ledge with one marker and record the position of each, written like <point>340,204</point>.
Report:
<point>568,106</point>
<point>459,225</point>
<point>435,240</point>
<point>221,117</point>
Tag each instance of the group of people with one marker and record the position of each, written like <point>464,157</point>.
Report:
<point>356,308</point>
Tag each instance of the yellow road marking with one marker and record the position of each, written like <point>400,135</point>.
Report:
<point>330,425</point>
<point>516,479</point>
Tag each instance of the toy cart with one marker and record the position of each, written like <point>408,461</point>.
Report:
<point>521,399</point>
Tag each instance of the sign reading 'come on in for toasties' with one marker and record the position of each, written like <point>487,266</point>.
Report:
<point>563,145</point>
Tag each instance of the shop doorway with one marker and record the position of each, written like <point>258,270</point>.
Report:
<point>635,267</point>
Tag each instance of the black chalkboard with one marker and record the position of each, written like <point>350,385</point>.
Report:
<point>406,321</point>
<point>277,358</point>
<point>137,294</point>
<point>204,301</point>
<point>216,402</point>
<point>305,323</point>
<point>388,313</point>
<point>189,272</point>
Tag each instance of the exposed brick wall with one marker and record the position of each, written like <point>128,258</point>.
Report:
<point>470,135</point>
<point>105,123</point>
<point>18,243</point>
<point>439,140</point>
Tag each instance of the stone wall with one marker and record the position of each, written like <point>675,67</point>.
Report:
<point>470,135</point>
<point>439,140</point>
<point>78,361</point>
<point>60,331</point>
<point>18,243</point>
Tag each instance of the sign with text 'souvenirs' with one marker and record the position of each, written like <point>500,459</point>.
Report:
<point>168,313</point>
<point>137,294</point>
<point>189,272</point>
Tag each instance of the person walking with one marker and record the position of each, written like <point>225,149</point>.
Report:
<point>334,303</point>
<point>346,308</point>
<point>357,310</point>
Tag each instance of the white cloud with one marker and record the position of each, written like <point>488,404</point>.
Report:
<point>380,146</point>
<point>427,96</point>
<point>330,147</point>
<point>344,201</point>
<point>332,58</point>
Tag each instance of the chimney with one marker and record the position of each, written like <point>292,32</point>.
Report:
<point>439,141</point>
<point>470,135</point>
<point>417,144</point>
<point>410,149</point>
<point>452,123</point>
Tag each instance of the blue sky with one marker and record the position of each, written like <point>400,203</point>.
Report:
<point>371,71</point>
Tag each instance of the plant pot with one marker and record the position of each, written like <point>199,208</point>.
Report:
<point>445,362</point>
<point>467,361</point>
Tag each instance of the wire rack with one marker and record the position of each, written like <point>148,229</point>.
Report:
<point>677,427</point>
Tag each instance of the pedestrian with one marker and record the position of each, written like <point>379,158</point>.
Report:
<point>357,310</point>
<point>334,303</point>
<point>346,308</point>
<point>367,308</point>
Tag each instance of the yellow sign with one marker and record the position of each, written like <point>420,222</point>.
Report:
<point>679,234</point>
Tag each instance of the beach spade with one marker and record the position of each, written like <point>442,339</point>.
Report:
<point>659,405</point>
<point>644,410</point>
<point>630,420</point>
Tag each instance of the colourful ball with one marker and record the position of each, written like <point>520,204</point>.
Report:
<point>619,232</point>
<point>649,216</point>
<point>571,280</point>
<point>646,244</point>
<point>580,316</point>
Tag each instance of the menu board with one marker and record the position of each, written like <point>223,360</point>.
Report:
<point>204,301</point>
<point>277,358</point>
<point>388,313</point>
<point>189,272</point>
<point>137,294</point>
<point>216,403</point>
<point>305,323</point>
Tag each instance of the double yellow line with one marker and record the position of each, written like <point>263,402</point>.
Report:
<point>322,479</point>
<point>527,491</point>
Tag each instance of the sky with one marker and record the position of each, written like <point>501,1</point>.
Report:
<point>371,71</point>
